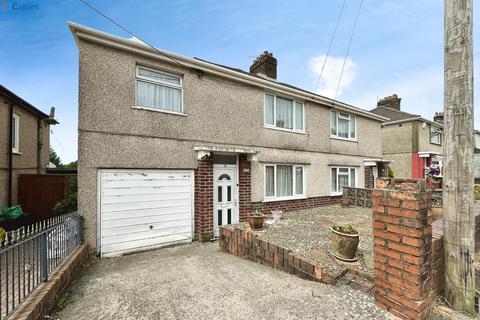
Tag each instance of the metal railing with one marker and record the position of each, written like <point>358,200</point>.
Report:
<point>30,254</point>
<point>359,197</point>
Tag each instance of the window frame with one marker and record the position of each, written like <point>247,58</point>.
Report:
<point>274,125</point>
<point>294,195</point>
<point>139,77</point>
<point>339,193</point>
<point>337,116</point>
<point>16,134</point>
<point>432,128</point>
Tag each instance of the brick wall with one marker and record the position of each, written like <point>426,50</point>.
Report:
<point>298,204</point>
<point>245,187</point>
<point>403,257</point>
<point>369,180</point>
<point>204,199</point>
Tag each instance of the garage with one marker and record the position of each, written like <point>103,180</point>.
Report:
<point>144,209</point>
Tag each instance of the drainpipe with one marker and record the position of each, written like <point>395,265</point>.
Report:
<point>10,156</point>
<point>39,146</point>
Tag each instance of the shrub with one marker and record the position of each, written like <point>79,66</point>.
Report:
<point>69,202</point>
<point>390,173</point>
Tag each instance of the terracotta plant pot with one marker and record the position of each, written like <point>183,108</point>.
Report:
<point>344,245</point>
<point>256,222</point>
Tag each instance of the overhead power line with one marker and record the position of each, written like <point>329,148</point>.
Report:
<point>348,49</point>
<point>330,46</point>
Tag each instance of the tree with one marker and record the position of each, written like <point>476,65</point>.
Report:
<point>54,158</point>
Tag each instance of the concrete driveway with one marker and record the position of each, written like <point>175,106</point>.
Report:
<point>196,281</point>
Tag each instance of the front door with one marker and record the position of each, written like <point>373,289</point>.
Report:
<point>224,196</point>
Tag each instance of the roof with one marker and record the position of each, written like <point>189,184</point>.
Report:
<point>16,99</point>
<point>394,115</point>
<point>206,67</point>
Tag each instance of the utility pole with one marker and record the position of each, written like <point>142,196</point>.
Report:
<point>458,203</point>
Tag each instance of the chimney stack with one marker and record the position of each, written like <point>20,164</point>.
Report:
<point>392,101</point>
<point>438,117</point>
<point>265,65</point>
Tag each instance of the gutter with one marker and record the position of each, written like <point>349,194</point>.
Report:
<point>10,155</point>
<point>96,36</point>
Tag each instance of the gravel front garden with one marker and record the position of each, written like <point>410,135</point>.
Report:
<point>307,233</point>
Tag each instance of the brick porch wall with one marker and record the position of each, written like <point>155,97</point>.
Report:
<point>369,181</point>
<point>245,187</point>
<point>204,199</point>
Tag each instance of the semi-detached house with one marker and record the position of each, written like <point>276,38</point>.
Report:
<point>171,147</point>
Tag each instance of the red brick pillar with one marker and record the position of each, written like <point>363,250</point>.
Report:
<point>204,199</point>
<point>402,235</point>
<point>244,187</point>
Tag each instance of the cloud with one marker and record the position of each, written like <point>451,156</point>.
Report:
<point>331,73</point>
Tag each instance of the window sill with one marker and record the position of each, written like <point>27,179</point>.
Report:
<point>285,130</point>
<point>343,139</point>
<point>16,152</point>
<point>161,111</point>
<point>437,144</point>
<point>336,194</point>
<point>285,199</point>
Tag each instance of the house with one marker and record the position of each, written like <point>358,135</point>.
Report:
<point>412,142</point>
<point>171,147</point>
<point>25,140</point>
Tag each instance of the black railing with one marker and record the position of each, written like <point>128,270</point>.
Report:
<point>30,254</point>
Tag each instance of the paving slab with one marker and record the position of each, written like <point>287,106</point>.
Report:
<point>196,281</point>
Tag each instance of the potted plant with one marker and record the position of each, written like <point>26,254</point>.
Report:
<point>345,242</point>
<point>3,234</point>
<point>256,220</point>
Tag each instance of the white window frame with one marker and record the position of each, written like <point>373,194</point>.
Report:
<point>439,132</point>
<point>338,115</point>
<point>16,134</point>
<point>139,77</point>
<point>339,193</point>
<point>274,125</point>
<point>293,196</point>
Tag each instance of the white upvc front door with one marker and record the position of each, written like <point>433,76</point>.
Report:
<point>224,196</point>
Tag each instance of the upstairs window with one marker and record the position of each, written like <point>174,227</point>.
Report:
<point>342,177</point>
<point>343,125</point>
<point>159,90</point>
<point>15,133</point>
<point>283,113</point>
<point>283,182</point>
<point>435,135</point>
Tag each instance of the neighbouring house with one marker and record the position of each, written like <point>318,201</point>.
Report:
<point>25,139</point>
<point>413,143</point>
<point>171,147</point>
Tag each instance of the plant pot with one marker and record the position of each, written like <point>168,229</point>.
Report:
<point>344,245</point>
<point>256,222</point>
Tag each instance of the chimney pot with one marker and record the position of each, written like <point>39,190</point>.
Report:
<point>438,117</point>
<point>392,101</point>
<point>265,65</point>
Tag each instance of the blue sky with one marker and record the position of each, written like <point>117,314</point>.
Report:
<point>398,47</point>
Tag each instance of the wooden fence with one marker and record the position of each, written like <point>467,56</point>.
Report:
<point>38,193</point>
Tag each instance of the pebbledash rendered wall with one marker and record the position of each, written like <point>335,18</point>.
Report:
<point>217,113</point>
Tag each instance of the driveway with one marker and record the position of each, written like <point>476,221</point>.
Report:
<point>196,281</point>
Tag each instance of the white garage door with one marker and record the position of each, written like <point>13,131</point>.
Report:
<point>142,209</point>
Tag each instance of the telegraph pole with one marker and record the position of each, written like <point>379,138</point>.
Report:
<point>458,201</point>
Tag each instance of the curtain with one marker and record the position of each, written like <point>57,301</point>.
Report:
<point>269,181</point>
<point>158,76</point>
<point>284,113</point>
<point>298,180</point>
<point>333,123</point>
<point>158,96</point>
<point>298,115</point>
<point>343,128</point>
<point>334,180</point>
<point>284,181</point>
<point>342,181</point>
<point>352,177</point>
<point>269,114</point>
<point>352,127</point>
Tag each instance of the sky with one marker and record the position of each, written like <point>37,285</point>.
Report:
<point>397,47</point>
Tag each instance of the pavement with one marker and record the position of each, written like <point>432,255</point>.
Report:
<point>196,281</point>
